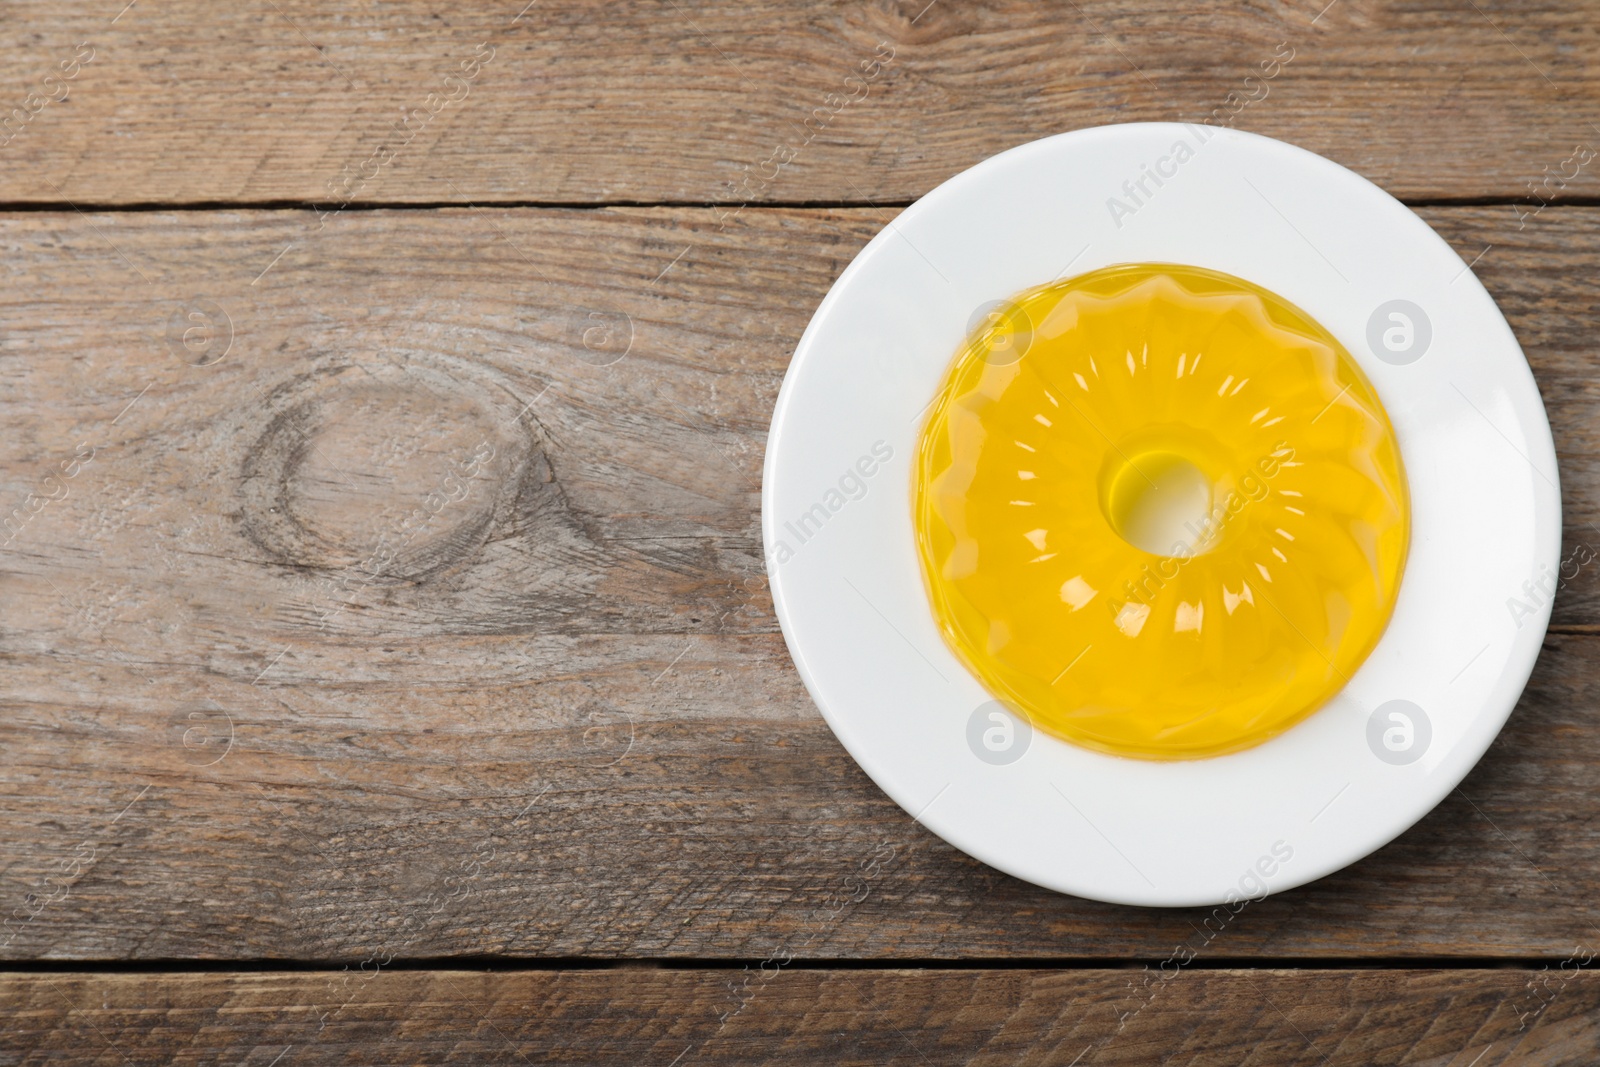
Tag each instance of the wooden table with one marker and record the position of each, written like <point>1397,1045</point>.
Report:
<point>389,670</point>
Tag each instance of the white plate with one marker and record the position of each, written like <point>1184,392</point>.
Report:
<point>1486,516</point>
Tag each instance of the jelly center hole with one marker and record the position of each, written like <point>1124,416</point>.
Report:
<point>1158,502</point>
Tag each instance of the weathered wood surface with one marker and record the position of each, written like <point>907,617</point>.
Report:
<point>737,102</point>
<point>562,722</point>
<point>1103,1018</point>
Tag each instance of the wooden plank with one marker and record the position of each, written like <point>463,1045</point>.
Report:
<point>769,102</point>
<point>753,1016</point>
<point>428,618</point>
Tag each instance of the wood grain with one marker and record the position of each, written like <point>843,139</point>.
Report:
<point>1128,1016</point>
<point>407,603</point>
<point>726,102</point>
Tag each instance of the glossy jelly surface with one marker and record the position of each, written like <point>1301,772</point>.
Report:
<point>1159,510</point>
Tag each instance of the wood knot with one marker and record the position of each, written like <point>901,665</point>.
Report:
<point>390,476</point>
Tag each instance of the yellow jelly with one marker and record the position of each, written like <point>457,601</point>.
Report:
<point>1159,510</point>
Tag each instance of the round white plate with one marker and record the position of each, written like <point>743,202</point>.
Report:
<point>1473,603</point>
